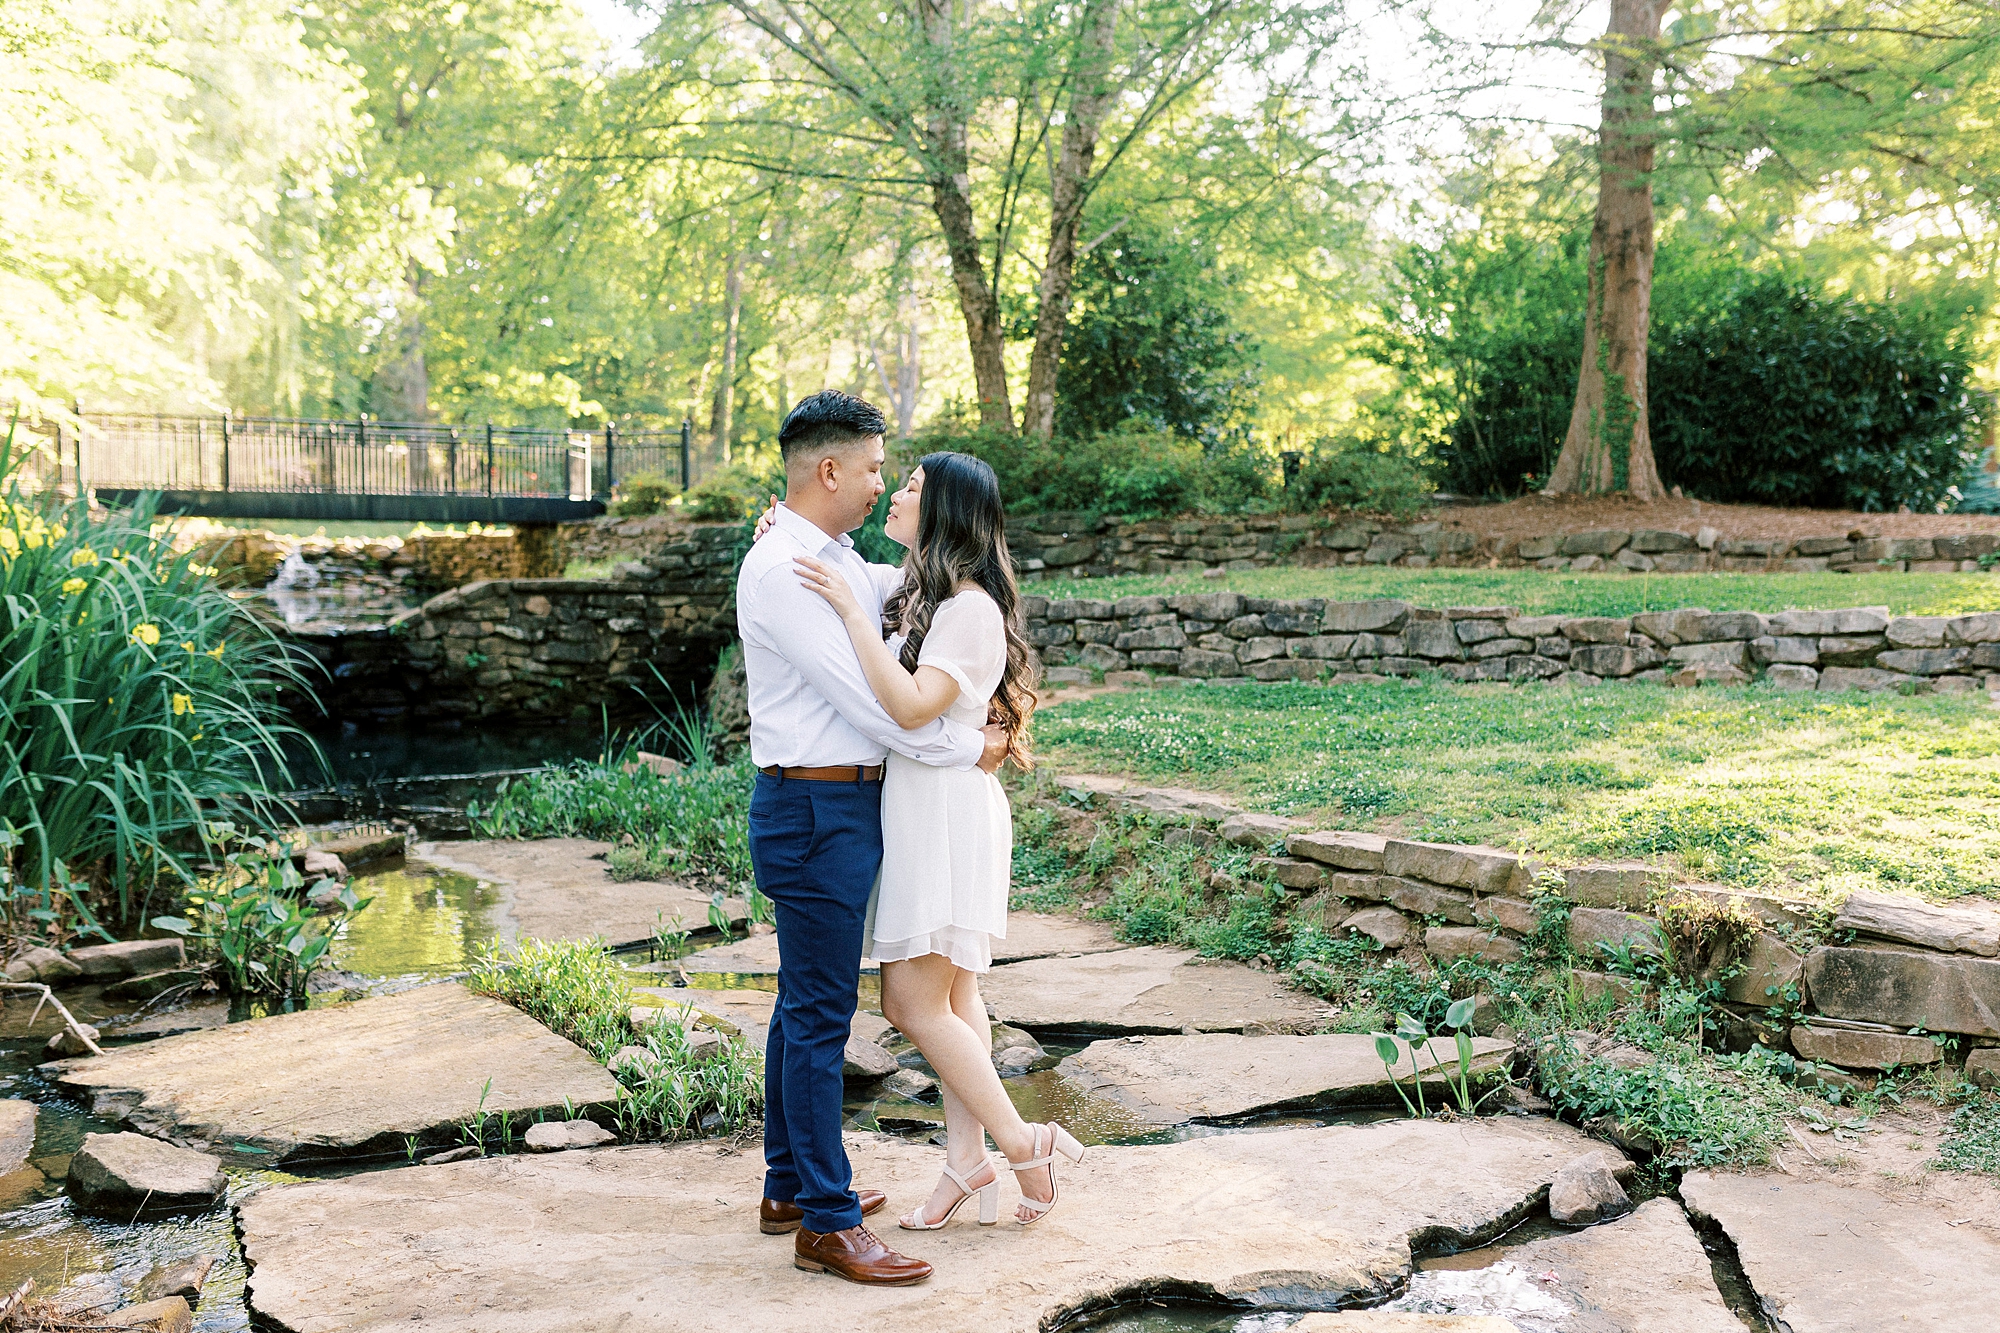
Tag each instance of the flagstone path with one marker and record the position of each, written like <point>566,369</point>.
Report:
<point>347,1080</point>
<point>665,1238</point>
<point>1221,1076</point>
<point>561,889</point>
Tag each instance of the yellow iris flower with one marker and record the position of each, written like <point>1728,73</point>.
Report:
<point>74,586</point>
<point>183,704</point>
<point>148,634</point>
<point>82,556</point>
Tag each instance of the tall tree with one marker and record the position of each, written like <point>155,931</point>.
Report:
<point>988,118</point>
<point>1896,94</point>
<point>1609,446</point>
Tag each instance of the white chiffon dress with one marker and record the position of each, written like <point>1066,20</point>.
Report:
<point>947,833</point>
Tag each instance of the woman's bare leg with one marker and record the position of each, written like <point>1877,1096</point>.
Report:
<point>970,1007</point>
<point>918,996</point>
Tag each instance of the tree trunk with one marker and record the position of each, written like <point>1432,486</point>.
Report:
<point>945,133</point>
<point>1092,101</point>
<point>903,390</point>
<point>1609,446</point>
<point>402,390</point>
<point>725,386</point>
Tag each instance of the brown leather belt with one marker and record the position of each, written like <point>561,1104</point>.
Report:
<point>838,773</point>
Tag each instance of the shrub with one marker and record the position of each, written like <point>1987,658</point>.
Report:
<point>138,702</point>
<point>1782,395</point>
<point>1350,475</point>
<point>251,918</point>
<point>646,493</point>
<point>1134,471</point>
<point>1763,387</point>
<point>1150,343</point>
<point>737,491</point>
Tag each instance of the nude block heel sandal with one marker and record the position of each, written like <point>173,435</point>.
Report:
<point>1059,1142</point>
<point>989,1202</point>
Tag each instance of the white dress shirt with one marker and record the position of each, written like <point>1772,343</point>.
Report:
<point>810,703</point>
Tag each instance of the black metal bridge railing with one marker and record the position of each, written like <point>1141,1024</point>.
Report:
<point>226,465</point>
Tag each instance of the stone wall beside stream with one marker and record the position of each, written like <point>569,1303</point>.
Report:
<point>1844,986</point>
<point>541,648</point>
<point>1228,636</point>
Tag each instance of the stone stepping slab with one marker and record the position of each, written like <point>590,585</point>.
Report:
<point>560,889</point>
<point>348,1080</point>
<point>1029,935</point>
<point>1644,1273</point>
<point>653,1237</point>
<point>1221,1076</point>
<point>1144,990</point>
<point>1832,1257</point>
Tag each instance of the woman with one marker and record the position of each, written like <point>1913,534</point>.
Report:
<point>956,648</point>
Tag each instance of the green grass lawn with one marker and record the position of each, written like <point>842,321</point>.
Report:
<point>1537,592</point>
<point>1812,793</point>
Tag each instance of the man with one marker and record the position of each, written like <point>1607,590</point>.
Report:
<point>819,737</point>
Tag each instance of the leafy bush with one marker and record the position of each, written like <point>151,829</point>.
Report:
<point>738,491</point>
<point>1764,388</point>
<point>646,493</point>
<point>1150,344</point>
<point>1352,475</point>
<point>1487,330</point>
<point>138,702</point>
<point>1782,395</point>
<point>252,918</point>
<point>1134,471</point>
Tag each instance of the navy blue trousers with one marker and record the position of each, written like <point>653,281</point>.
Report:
<point>816,847</point>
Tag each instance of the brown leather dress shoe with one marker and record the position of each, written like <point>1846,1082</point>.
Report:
<point>782,1219</point>
<point>858,1256</point>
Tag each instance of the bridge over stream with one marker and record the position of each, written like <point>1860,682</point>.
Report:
<point>335,471</point>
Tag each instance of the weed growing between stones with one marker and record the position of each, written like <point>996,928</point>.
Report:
<point>674,1088</point>
<point>1973,1141</point>
<point>571,987</point>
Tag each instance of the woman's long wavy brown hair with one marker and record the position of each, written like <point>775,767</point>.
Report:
<point>962,538</point>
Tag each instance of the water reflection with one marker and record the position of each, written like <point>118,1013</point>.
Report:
<point>421,921</point>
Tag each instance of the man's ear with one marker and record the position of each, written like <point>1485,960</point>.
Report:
<point>827,473</point>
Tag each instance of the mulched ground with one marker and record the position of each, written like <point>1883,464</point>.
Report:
<point>1536,515</point>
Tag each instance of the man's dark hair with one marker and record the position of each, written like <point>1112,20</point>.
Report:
<point>828,420</point>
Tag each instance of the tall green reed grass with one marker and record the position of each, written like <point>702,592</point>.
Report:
<point>138,702</point>
<point>696,820</point>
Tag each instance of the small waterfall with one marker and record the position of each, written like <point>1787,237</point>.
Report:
<point>296,574</point>
<point>323,590</point>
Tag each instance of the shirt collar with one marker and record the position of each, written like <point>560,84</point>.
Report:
<point>803,529</point>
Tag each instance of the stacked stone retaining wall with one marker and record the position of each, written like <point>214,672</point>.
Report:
<point>541,648</point>
<point>1844,986</point>
<point>1228,636</point>
<point>1082,545</point>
